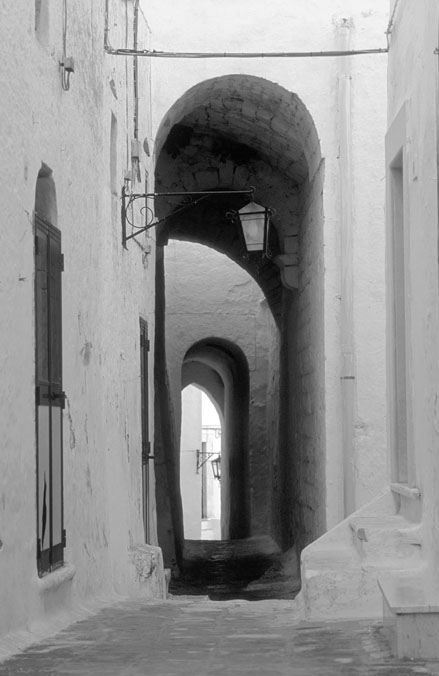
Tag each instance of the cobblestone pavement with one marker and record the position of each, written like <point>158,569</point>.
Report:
<point>196,636</point>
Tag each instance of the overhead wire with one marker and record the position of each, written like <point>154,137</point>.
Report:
<point>229,55</point>
<point>239,55</point>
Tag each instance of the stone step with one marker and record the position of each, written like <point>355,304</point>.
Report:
<point>411,614</point>
<point>330,556</point>
<point>340,570</point>
<point>381,540</point>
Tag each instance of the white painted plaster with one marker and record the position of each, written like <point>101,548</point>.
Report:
<point>340,570</point>
<point>190,476</point>
<point>212,436</point>
<point>415,88</point>
<point>410,611</point>
<point>200,424</point>
<point>105,289</point>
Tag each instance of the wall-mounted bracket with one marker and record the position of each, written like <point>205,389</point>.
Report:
<point>190,199</point>
<point>203,457</point>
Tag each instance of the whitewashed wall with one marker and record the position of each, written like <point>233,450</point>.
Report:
<point>105,289</point>
<point>190,478</point>
<point>412,127</point>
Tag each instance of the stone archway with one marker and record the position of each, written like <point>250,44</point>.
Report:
<point>234,132</point>
<point>231,132</point>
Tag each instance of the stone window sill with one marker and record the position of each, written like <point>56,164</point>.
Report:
<point>52,581</point>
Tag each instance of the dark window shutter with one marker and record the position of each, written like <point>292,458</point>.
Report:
<point>144,405</point>
<point>49,395</point>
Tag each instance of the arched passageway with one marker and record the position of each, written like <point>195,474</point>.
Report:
<point>200,464</point>
<point>223,369</point>
<point>229,133</point>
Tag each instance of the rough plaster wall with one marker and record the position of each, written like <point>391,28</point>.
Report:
<point>370,463</point>
<point>103,295</point>
<point>299,488</point>
<point>208,295</point>
<point>166,436</point>
<point>235,475</point>
<point>314,27</point>
<point>413,41</point>
<point>307,386</point>
<point>273,427</point>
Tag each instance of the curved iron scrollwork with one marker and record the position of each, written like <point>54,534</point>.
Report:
<point>189,200</point>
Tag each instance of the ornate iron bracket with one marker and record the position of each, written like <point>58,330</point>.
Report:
<point>190,199</point>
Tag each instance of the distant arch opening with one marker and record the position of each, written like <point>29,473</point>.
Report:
<point>220,369</point>
<point>200,463</point>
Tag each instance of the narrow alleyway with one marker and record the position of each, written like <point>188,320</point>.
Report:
<point>192,635</point>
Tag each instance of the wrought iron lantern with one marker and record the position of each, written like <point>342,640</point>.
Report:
<point>254,219</point>
<point>203,457</point>
<point>216,467</point>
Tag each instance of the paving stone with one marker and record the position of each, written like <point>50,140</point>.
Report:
<point>197,637</point>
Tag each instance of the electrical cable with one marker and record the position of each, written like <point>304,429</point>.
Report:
<point>238,55</point>
<point>232,55</point>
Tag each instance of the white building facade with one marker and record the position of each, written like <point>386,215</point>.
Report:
<point>411,599</point>
<point>77,505</point>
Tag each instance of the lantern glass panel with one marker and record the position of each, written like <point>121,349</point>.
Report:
<point>216,467</point>
<point>253,223</point>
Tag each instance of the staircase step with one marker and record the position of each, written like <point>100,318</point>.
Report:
<point>387,538</point>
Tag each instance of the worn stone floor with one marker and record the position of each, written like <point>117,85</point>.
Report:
<point>252,569</point>
<point>199,637</point>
